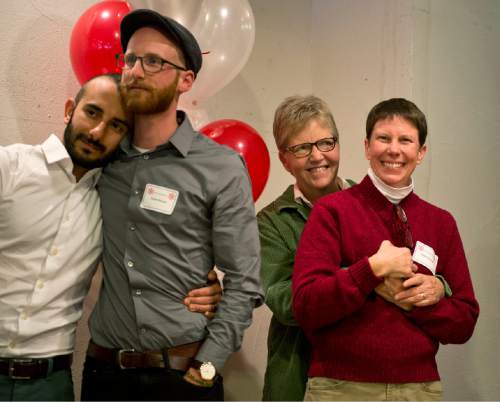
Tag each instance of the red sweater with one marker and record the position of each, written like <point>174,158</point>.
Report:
<point>355,334</point>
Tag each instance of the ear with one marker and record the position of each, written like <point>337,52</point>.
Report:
<point>284,161</point>
<point>69,108</point>
<point>185,82</point>
<point>421,153</point>
<point>367,149</point>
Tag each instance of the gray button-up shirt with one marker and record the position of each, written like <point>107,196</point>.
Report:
<point>169,216</point>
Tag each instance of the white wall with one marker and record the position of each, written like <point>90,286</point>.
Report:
<point>444,54</point>
<point>463,105</point>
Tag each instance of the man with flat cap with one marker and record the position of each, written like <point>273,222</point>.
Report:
<point>174,204</point>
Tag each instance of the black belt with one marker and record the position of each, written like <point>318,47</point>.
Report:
<point>31,369</point>
<point>177,358</point>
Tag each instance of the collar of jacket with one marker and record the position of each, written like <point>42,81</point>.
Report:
<point>286,202</point>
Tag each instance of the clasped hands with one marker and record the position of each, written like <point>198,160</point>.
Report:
<point>402,285</point>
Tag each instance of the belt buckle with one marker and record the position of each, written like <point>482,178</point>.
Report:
<point>12,369</point>
<point>121,352</point>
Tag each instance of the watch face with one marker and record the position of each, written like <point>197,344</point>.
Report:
<point>207,371</point>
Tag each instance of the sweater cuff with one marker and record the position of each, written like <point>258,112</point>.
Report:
<point>362,274</point>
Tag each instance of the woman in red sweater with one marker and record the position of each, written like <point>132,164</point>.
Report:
<point>368,345</point>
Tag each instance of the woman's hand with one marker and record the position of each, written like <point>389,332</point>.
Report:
<point>421,290</point>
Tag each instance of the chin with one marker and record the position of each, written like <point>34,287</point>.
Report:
<point>323,187</point>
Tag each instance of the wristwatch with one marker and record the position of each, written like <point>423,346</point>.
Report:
<point>207,369</point>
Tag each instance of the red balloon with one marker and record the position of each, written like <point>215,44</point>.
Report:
<point>248,143</point>
<point>95,40</point>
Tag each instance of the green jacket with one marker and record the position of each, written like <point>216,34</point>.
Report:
<point>280,226</point>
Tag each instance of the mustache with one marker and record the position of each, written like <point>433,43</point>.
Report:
<point>95,143</point>
<point>135,84</point>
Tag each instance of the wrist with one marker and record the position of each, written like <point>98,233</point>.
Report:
<point>375,266</point>
<point>194,377</point>
<point>206,370</point>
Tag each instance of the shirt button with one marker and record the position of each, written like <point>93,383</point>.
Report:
<point>54,251</point>
<point>146,157</point>
<point>132,227</point>
<point>39,284</point>
<point>24,316</point>
<point>130,264</point>
<point>138,292</point>
<point>143,330</point>
<point>136,192</point>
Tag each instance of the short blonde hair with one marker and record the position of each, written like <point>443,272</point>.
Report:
<point>295,113</point>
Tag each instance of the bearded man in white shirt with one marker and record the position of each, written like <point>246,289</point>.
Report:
<point>51,241</point>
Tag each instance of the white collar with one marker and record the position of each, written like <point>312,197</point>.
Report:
<point>301,198</point>
<point>393,194</point>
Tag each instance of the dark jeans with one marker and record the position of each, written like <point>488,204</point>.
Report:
<point>57,386</point>
<point>102,382</point>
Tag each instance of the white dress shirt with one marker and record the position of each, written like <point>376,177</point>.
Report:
<point>50,244</point>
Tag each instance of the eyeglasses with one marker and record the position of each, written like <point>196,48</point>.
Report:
<point>150,63</point>
<point>305,149</point>
<point>402,228</point>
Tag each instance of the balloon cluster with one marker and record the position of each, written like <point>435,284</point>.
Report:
<point>225,30</point>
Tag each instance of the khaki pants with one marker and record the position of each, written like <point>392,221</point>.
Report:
<point>329,389</point>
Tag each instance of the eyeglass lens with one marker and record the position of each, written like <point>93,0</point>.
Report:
<point>305,149</point>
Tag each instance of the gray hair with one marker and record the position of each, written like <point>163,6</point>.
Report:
<point>295,113</point>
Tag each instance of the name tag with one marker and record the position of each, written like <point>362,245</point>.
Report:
<point>426,256</point>
<point>159,199</point>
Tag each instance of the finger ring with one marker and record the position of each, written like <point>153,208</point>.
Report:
<point>422,296</point>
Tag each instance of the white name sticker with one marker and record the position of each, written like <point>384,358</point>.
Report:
<point>159,199</point>
<point>426,256</point>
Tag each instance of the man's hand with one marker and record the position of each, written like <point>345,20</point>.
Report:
<point>421,290</point>
<point>204,300</point>
<point>193,376</point>
<point>392,261</point>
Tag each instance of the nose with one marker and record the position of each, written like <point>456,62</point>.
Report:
<point>137,70</point>
<point>98,131</point>
<point>316,154</point>
<point>393,147</point>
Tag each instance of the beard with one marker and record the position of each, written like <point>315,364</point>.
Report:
<point>147,99</point>
<point>84,158</point>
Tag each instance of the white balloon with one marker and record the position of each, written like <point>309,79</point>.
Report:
<point>198,117</point>
<point>184,11</point>
<point>225,29</point>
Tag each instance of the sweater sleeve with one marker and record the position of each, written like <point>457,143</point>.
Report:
<point>323,293</point>
<point>276,270</point>
<point>453,319</point>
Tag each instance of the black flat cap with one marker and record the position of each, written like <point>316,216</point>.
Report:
<point>174,31</point>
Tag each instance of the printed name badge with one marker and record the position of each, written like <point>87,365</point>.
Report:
<point>159,199</point>
<point>426,256</point>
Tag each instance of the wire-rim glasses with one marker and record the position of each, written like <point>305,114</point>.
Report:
<point>150,63</point>
<point>305,149</point>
